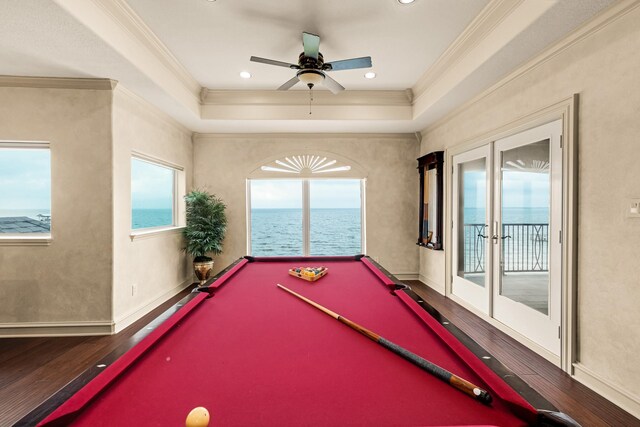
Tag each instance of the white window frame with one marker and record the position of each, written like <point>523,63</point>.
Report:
<point>30,239</point>
<point>306,210</point>
<point>178,217</point>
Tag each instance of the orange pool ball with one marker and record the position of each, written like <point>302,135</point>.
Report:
<point>198,417</point>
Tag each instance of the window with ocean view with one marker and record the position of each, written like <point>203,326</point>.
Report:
<point>335,225</point>
<point>152,195</point>
<point>333,213</point>
<point>276,217</point>
<point>25,188</point>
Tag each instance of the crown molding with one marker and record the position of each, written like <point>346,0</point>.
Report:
<point>496,25</point>
<point>306,113</point>
<point>488,18</point>
<point>115,22</point>
<point>129,19</point>
<point>589,28</point>
<point>296,105</point>
<point>57,83</point>
<point>301,97</point>
<point>303,136</point>
<point>152,109</point>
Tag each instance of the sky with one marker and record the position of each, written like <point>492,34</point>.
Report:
<point>287,194</point>
<point>151,186</point>
<point>25,179</point>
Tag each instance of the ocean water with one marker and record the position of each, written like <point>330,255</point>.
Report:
<point>30,213</point>
<point>146,218</point>
<point>141,218</point>
<point>509,216</point>
<point>279,232</point>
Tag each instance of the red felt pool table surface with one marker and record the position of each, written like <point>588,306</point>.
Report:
<point>255,355</point>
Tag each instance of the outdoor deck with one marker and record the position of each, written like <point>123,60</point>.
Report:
<point>525,262</point>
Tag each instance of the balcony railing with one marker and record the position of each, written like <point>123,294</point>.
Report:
<point>525,247</point>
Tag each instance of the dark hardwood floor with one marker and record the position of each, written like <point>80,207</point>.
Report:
<point>568,395</point>
<point>32,369</point>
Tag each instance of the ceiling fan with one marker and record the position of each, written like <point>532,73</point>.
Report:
<point>312,69</point>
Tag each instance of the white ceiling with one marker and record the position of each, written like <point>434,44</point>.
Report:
<point>212,42</point>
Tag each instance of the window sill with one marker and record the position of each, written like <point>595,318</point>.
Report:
<point>17,240</point>
<point>155,232</point>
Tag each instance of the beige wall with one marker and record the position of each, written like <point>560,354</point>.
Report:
<point>69,281</point>
<point>156,263</point>
<point>604,70</point>
<point>223,163</point>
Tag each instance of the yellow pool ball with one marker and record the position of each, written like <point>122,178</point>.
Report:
<point>198,417</point>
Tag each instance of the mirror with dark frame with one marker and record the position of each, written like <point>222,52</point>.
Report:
<point>430,167</point>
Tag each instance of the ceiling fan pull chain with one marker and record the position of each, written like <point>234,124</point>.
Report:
<point>310,99</point>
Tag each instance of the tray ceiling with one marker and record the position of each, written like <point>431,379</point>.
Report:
<point>185,57</point>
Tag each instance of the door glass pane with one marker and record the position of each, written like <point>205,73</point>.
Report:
<point>472,213</point>
<point>335,217</point>
<point>526,199</point>
<point>276,217</point>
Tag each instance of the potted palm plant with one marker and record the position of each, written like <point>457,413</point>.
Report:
<point>205,230</point>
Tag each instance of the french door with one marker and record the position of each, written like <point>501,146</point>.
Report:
<point>472,216</point>
<point>507,212</point>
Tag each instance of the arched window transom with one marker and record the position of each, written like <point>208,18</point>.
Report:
<point>306,164</point>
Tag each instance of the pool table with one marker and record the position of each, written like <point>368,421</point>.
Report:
<point>253,354</point>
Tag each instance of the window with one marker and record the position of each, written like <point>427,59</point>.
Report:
<point>153,194</point>
<point>305,216</point>
<point>276,217</point>
<point>25,189</point>
<point>335,217</point>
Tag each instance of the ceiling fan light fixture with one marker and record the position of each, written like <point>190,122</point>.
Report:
<point>245,74</point>
<point>370,75</point>
<point>311,68</point>
<point>406,1</point>
<point>311,77</point>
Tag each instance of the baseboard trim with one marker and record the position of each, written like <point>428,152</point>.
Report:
<point>406,276</point>
<point>612,392</point>
<point>134,314</point>
<point>433,285</point>
<point>55,329</point>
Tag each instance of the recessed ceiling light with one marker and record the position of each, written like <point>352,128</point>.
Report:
<point>370,75</point>
<point>245,74</point>
<point>406,1</point>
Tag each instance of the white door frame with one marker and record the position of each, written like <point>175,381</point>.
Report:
<point>566,110</point>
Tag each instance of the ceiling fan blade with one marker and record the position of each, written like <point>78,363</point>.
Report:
<point>332,85</point>
<point>311,44</point>
<point>273,62</point>
<point>348,64</point>
<point>288,85</point>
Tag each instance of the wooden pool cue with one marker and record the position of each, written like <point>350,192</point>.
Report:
<point>451,379</point>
